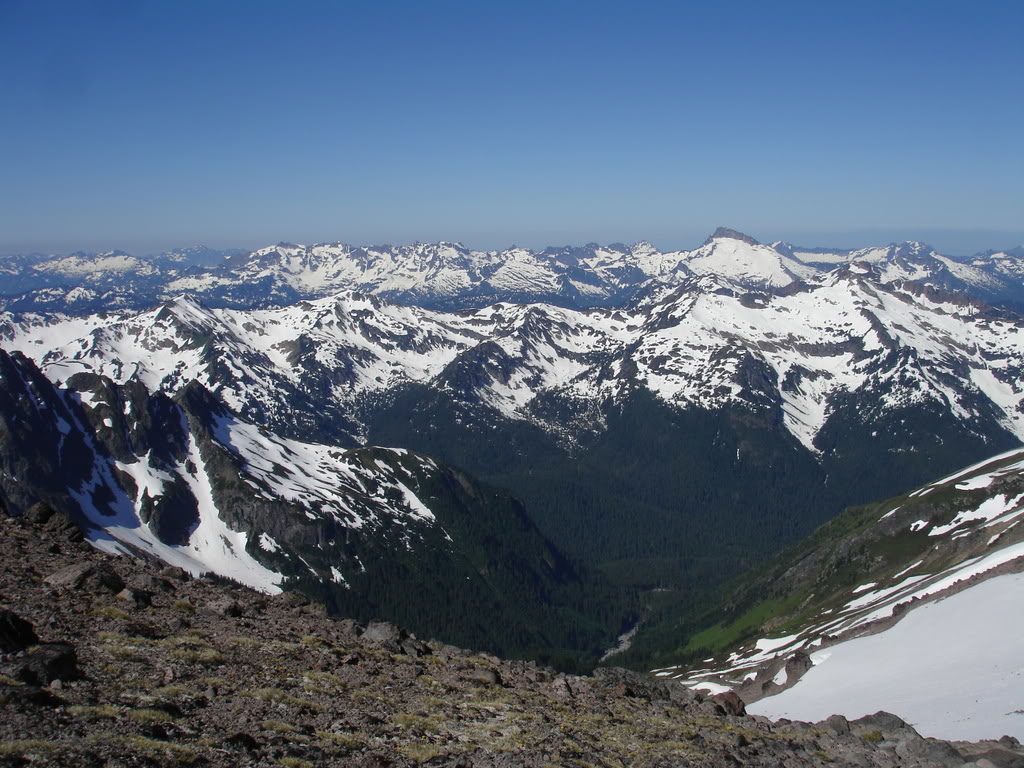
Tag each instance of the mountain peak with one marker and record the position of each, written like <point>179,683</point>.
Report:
<point>732,234</point>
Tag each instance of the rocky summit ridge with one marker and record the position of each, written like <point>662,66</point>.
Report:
<point>107,661</point>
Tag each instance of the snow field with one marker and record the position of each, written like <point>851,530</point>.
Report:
<point>954,669</point>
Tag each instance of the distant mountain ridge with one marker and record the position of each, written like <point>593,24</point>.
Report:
<point>447,275</point>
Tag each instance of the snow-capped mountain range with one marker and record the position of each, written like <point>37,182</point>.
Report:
<point>850,383</point>
<point>320,367</point>
<point>905,604</point>
<point>452,276</point>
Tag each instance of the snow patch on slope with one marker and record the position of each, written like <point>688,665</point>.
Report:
<point>212,545</point>
<point>966,686</point>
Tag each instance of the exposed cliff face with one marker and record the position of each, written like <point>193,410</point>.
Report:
<point>44,451</point>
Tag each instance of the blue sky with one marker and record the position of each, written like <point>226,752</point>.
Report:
<point>146,125</point>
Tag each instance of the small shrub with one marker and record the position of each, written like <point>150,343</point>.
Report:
<point>872,737</point>
<point>278,726</point>
<point>170,691</point>
<point>425,723</point>
<point>149,716</point>
<point>421,753</point>
<point>283,647</point>
<point>346,740</point>
<point>126,652</point>
<point>277,696</point>
<point>361,693</point>
<point>315,681</point>
<point>190,639</point>
<point>159,750</point>
<point>110,612</point>
<point>28,747</point>
<point>245,642</point>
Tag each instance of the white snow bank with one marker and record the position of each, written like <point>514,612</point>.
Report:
<point>954,669</point>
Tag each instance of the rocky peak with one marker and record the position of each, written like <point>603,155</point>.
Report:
<point>732,234</point>
<point>642,247</point>
<point>911,248</point>
<point>198,401</point>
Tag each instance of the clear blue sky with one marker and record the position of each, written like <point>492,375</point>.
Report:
<point>150,124</point>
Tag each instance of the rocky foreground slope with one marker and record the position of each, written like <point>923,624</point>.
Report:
<point>107,661</point>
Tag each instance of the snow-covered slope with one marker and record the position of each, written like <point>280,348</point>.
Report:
<point>847,334</point>
<point>919,262</point>
<point>162,478</point>
<point>82,264</point>
<point>991,276</point>
<point>952,668</point>
<point>905,603</point>
<point>1008,265</point>
<point>742,261</point>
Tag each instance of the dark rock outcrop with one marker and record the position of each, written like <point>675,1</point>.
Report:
<point>16,634</point>
<point>730,703</point>
<point>731,234</point>
<point>45,663</point>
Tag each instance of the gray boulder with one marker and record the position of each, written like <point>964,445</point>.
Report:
<point>836,724</point>
<point>94,577</point>
<point>384,634</point>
